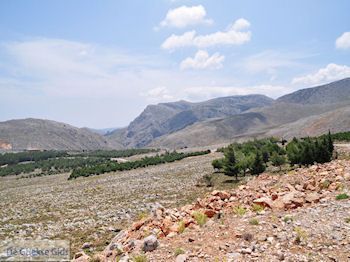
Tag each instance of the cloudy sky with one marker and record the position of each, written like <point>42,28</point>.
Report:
<point>99,63</point>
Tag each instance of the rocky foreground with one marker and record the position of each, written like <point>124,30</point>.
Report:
<point>303,215</point>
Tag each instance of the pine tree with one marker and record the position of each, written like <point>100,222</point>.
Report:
<point>308,152</point>
<point>265,156</point>
<point>258,165</point>
<point>330,142</point>
<point>230,163</point>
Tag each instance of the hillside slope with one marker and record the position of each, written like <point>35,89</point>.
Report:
<point>301,113</point>
<point>336,121</point>
<point>166,118</point>
<point>335,92</point>
<point>46,134</point>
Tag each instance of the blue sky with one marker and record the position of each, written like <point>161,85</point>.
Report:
<point>99,63</point>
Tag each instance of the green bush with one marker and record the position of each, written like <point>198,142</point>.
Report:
<point>342,196</point>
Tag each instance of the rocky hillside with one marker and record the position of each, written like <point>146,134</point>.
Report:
<point>305,112</point>
<point>335,120</point>
<point>302,215</point>
<point>166,118</point>
<point>335,92</point>
<point>41,134</point>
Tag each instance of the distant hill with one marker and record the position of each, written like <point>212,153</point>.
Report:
<point>166,118</point>
<point>310,111</point>
<point>27,134</point>
<point>336,121</point>
<point>335,92</point>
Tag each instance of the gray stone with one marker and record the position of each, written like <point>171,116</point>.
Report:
<point>150,243</point>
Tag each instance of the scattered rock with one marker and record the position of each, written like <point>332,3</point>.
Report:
<point>150,243</point>
<point>312,197</point>
<point>86,245</point>
<point>181,258</point>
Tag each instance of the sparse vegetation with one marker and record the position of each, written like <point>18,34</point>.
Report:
<point>300,235</point>
<point>140,258</point>
<point>142,215</point>
<point>179,251</point>
<point>257,208</point>
<point>254,222</point>
<point>342,196</point>
<point>286,219</point>
<point>200,218</point>
<point>239,210</point>
<point>181,227</point>
<point>325,184</point>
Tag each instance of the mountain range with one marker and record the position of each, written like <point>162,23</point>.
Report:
<point>310,111</point>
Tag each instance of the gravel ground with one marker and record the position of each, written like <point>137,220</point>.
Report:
<point>93,209</point>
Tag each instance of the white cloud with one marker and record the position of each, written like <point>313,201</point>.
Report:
<point>184,16</point>
<point>343,41</point>
<point>202,60</point>
<point>234,35</point>
<point>329,73</point>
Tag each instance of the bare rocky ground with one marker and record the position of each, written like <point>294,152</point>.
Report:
<point>290,217</point>
<point>95,208</point>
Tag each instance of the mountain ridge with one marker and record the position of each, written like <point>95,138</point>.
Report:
<point>182,123</point>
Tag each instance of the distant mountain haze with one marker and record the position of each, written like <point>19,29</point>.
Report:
<point>310,111</point>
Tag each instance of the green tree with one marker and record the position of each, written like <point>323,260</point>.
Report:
<point>308,152</point>
<point>245,162</point>
<point>230,163</point>
<point>277,160</point>
<point>330,143</point>
<point>218,164</point>
<point>258,166</point>
<point>265,156</point>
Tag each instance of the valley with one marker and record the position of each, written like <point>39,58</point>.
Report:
<point>93,209</point>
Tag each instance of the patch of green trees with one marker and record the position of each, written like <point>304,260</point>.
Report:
<point>53,162</point>
<point>112,166</point>
<point>307,151</point>
<point>50,166</point>
<point>341,136</point>
<point>254,156</point>
<point>15,158</point>
<point>116,153</point>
